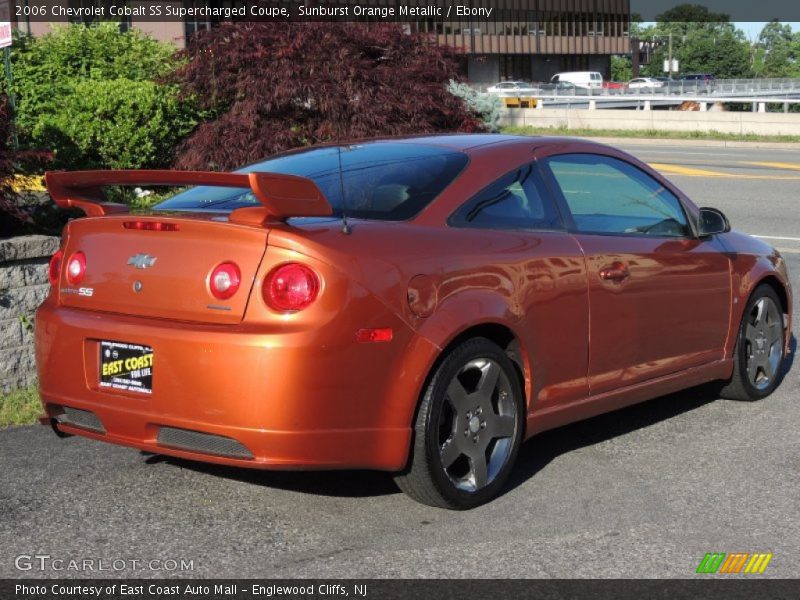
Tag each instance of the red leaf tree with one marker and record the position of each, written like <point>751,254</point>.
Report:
<point>268,87</point>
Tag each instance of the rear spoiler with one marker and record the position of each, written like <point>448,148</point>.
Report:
<point>281,196</point>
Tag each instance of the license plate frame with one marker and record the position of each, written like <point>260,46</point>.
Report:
<point>125,366</point>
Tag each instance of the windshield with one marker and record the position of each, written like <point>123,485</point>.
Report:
<point>381,180</point>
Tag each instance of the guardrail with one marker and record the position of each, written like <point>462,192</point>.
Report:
<point>649,101</point>
<point>719,88</point>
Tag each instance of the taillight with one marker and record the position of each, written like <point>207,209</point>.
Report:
<point>291,287</point>
<point>76,267</point>
<point>224,280</point>
<point>54,270</point>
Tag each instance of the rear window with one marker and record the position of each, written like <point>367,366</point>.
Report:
<point>381,180</point>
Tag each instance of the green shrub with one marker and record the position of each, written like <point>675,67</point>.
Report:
<point>117,124</point>
<point>91,96</point>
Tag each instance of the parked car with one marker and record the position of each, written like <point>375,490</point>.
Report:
<point>581,79</point>
<point>704,77</point>
<point>669,85</point>
<point>511,87</point>
<point>417,305</point>
<point>647,83</point>
<point>563,88</point>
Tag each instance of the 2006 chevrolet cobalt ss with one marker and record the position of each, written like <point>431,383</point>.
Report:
<point>417,305</point>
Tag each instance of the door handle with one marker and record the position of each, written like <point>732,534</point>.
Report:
<point>616,271</point>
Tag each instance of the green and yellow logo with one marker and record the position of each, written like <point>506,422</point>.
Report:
<point>737,562</point>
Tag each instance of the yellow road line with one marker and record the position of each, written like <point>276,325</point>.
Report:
<point>775,165</point>
<point>688,171</point>
<point>691,172</point>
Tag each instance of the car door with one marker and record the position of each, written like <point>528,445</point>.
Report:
<point>516,213</point>
<point>659,296</point>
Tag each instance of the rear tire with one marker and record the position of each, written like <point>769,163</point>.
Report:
<point>759,352</point>
<point>468,429</point>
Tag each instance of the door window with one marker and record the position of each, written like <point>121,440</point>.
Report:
<point>515,201</point>
<point>608,195</point>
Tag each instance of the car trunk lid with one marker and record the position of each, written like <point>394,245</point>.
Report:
<point>161,273</point>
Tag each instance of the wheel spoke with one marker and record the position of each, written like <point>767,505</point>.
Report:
<point>774,329</point>
<point>767,365</point>
<point>491,373</point>
<point>479,470</point>
<point>457,394</point>
<point>501,426</point>
<point>775,337</point>
<point>752,368</point>
<point>449,453</point>
<point>750,333</point>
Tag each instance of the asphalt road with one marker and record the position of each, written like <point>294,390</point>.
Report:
<point>644,492</point>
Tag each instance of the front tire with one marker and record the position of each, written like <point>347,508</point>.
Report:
<point>759,352</point>
<point>468,429</point>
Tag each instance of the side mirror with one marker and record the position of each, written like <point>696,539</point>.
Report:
<point>712,222</point>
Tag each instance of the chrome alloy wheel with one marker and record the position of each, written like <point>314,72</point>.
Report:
<point>763,336</point>
<point>477,425</point>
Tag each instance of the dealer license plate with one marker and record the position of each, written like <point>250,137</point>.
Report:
<point>125,366</point>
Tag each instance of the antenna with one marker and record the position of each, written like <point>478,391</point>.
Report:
<point>346,229</point>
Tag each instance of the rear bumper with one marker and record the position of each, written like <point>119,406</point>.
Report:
<point>274,450</point>
<point>296,400</point>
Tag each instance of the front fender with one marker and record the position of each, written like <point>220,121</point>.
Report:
<point>752,263</point>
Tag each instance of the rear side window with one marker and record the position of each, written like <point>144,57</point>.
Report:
<point>517,200</point>
<point>608,195</point>
<point>386,181</point>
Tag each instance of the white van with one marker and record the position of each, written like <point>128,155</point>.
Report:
<point>583,79</point>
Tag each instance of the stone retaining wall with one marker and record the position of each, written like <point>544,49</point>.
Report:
<point>23,286</point>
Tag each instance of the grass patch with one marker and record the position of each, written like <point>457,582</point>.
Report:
<point>21,407</point>
<point>649,133</point>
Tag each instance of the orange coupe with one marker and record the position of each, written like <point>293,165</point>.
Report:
<point>418,305</point>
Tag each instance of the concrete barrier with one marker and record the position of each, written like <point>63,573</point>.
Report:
<point>23,287</point>
<point>738,123</point>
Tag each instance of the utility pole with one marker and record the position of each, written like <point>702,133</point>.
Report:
<point>670,55</point>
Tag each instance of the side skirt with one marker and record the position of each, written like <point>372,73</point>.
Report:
<point>556,416</point>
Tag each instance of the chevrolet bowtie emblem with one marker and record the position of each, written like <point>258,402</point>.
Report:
<point>142,261</point>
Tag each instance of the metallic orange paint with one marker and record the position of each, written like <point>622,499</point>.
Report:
<point>300,392</point>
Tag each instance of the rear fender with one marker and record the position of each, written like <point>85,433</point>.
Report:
<point>434,334</point>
